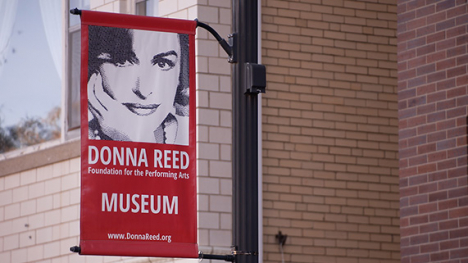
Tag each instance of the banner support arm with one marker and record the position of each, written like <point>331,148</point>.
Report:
<point>230,49</point>
<point>229,258</point>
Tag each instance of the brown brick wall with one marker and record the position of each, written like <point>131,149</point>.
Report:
<point>330,131</point>
<point>432,102</point>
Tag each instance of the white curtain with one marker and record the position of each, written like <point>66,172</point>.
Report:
<point>152,8</point>
<point>51,11</point>
<point>7,21</point>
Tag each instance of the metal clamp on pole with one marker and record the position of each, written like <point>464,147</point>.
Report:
<point>229,48</point>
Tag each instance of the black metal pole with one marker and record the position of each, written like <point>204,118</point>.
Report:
<point>245,132</point>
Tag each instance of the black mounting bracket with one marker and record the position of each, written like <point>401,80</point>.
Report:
<point>255,74</point>
<point>229,258</point>
<point>230,48</point>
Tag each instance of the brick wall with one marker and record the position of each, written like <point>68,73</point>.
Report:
<point>39,212</point>
<point>330,131</point>
<point>432,64</point>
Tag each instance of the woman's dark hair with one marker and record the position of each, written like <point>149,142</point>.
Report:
<point>181,101</point>
<point>118,43</point>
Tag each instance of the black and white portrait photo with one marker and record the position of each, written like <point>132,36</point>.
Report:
<point>138,86</point>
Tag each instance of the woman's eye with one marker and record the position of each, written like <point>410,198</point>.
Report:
<point>117,62</point>
<point>165,61</point>
<point>165,64</point>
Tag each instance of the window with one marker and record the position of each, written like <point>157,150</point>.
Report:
<point>30,72</point>
<point>72,118</point>
<point>146,7</point>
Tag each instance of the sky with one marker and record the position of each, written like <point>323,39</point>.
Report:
<point>29,84</point>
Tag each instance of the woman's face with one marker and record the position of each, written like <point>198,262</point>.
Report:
<point>146,83</point>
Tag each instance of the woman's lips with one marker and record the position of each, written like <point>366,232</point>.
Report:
<point>140,109</point>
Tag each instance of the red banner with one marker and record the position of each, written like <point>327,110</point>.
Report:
<point>138,148</point>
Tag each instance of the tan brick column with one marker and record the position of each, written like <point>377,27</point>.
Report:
<point>330,131</point>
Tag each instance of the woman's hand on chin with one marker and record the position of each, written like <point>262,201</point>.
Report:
<point>115,119</point>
